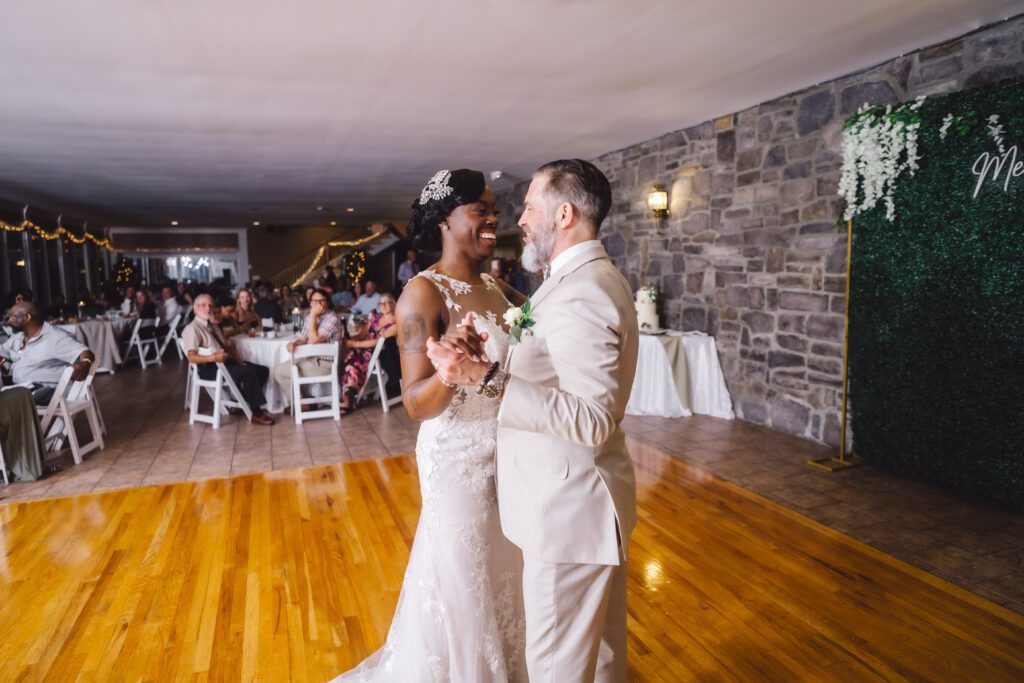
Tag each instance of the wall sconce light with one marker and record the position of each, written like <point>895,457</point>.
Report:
<point>657,202</point>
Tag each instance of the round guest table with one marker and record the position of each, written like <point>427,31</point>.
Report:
<point>100,336</point>
<point>268,352</point>
<point>677,375</point>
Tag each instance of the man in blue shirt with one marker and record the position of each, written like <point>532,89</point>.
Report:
<point>369,301</point>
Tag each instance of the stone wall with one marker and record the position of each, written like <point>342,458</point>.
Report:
<point>751,252</point>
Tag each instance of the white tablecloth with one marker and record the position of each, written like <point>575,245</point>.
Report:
<point>121,325</point>
<point>654,391</point>
<point>101,338</point>
<point>268,352</point>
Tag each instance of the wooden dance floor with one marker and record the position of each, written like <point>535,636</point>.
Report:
<point>293,576</point>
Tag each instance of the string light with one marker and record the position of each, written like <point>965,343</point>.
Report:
<point>60,232</point>
<point>355,243</point>
<point>323,249</point>
<point>312,266</point>
<point>355,266</point>
<point>125,271</point>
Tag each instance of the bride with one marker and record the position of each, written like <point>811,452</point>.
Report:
<point>460,614</point>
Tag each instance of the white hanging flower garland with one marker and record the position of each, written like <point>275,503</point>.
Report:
<point>995,131</point>
<point>946,123</point>
<point>878,146</point>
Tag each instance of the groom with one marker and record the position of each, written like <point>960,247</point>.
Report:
<point>566,492</point>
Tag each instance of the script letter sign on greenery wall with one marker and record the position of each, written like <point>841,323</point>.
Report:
<point>937,303</point>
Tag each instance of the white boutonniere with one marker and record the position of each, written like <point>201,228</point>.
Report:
<point>518,319</point>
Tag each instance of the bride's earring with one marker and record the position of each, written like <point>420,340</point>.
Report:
<point>444,226</point>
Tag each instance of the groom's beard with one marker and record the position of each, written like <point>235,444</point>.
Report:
<point>537,254</point>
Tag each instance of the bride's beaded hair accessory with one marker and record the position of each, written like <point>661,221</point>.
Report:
<point>437,188</point>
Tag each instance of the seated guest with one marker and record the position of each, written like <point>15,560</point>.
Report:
<point>323,326</point>
<point>182,294</point>
<point>128,305</point>
<point>289,301</point>
<point>16,297</point>
<point>21,436</point>
<point>497,269</point>
<point>363,336</point>
<point>144,307</point>
<point>369,302</point>
<point>344,298</point>
<point>59,310</point>
<point>91,305</point>
<point>39,352</point>
<point>390,360</point>
<point>266,307</point>
<point>225,308</point>
<point>202,332</point>
<point>169,307</point>
<point>245,315</point>
<point>146,310</point>
<point>308,295</point>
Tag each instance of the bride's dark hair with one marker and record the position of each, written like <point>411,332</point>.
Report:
<point>425,224</point>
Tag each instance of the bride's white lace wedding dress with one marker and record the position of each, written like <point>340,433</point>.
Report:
<point>459,616</point>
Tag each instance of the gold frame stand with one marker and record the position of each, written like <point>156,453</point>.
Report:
<point>844,460</point>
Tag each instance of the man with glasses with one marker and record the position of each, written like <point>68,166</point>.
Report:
<point>38,353</point>
<point>323,326</point>
<point>204,333</point>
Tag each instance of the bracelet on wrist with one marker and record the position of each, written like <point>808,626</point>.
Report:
<point>488,377</point>
<point>441,380</point>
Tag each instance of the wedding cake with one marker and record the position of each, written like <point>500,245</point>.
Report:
<point>647,309</point>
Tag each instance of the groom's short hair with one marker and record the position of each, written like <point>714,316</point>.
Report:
<point>581,184</point>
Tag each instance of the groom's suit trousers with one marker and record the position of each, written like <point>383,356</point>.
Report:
<point>575,621</point>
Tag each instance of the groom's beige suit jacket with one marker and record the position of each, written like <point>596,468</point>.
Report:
<point>566,489</point>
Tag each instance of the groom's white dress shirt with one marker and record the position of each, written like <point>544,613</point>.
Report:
<point>559,261</point>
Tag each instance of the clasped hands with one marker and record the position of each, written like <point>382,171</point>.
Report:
<point>459,355</point>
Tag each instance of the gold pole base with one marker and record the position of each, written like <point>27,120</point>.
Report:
<point>837,463</point>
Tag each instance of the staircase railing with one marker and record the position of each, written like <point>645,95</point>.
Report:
<point>305,267</point>
<point>299,266</point>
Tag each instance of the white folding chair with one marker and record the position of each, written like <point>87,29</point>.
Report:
<point>142,346</point>
<point>172,334</point>
<point>90,392</point>
<point>222,389</point>
<point>376,372</point>
<point>48,413</point>
<point>58,422</point>
<point>331,379</point>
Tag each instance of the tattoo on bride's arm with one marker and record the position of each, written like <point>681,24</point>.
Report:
<point>414,333</point>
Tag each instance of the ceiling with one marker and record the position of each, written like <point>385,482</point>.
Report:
<point>222,112</point>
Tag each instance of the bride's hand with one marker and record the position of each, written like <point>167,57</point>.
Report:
<point>465,339</point>
<point>453,366</point>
